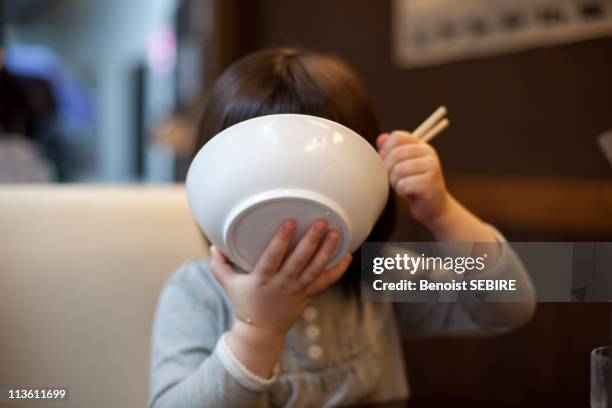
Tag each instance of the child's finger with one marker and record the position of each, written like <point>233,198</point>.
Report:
<point>405,152</point>
<point>303,252</point>
<point>411,167</point>
<point>270,259</point>
<point>322,257</point>
<point>329,277</point>
<point>413,184</point>
<point>381,139</point>
<point>404,137</point>
<point>396,138</point>
<point>220,267</point>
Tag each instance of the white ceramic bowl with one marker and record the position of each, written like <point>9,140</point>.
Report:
<point>251,176</point>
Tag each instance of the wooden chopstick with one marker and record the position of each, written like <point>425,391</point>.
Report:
<point>432,126</point>
<point>434,131</point>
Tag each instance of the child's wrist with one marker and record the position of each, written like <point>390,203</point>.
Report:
<point>256,337</point>
<point>257,349</point>
<point>440,225</point>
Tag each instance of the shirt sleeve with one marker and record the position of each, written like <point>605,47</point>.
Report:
<point>438,317</point>
<point>191,365</point>
<point>239,371</point>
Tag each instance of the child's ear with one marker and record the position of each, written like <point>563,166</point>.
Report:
<point>381,139</point>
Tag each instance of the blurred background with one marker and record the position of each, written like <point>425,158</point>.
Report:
<point>107,91</point>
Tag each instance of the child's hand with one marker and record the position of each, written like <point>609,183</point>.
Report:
<point>274,294</point>
<point>415,174</point>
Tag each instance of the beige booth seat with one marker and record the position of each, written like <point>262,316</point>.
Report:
<point>81,268</point>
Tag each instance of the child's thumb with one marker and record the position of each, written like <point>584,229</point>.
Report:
<point>221,269</point>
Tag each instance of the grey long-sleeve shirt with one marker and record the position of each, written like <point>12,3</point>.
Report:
<point>341,352</point>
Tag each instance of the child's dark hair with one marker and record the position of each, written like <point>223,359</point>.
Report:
<point>289,80</point>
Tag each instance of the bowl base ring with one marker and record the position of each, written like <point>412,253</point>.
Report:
<point>252,223</point>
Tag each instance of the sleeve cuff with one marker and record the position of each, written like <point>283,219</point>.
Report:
<point>502,258</point>
<point>238,370</point>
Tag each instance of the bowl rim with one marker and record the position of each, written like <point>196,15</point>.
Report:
<point>239,211</point>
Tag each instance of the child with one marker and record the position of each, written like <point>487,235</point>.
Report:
<point>285,334</point>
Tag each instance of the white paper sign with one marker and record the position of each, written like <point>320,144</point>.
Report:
<point>429,32</point>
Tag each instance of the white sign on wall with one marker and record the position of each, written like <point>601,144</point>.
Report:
<point>429,32</point>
